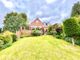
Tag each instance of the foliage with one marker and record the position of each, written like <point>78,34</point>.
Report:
<point>58,36</point>
<point>59,30</point>
<point>36,33</point>
<point>50,30</point>
<point>1,41</point>
<point>77,40</point>
<point>54,29</point>
<point>38,29</point>
<point>71,27</point>
<point>68,39</point>
<point>5,41</point>
<point>13,21</point>
<point>51,33</point>
<point>7,33</point>
<point>13,35</point>
<point>76,9</point>
<point>0,30</point>
<point>23,16</point>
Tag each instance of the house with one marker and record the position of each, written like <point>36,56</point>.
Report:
<point>37,23</point>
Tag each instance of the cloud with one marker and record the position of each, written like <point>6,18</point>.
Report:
<point>64,15</point>
<point>39,13</point>
<point>47,10</point>
<point>7,4</point>
<point>63,1</point>
<point>50,1</point>
<point>49,18</point>
<point>44,7</point>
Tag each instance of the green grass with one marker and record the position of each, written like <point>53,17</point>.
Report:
<point>41,48</point>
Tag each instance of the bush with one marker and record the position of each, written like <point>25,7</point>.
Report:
<point>59,30</point>
<point>36,33</point>
<point>71,27</point>
<point>54,29</point>
<point>68,39</point>
<point>5,41</point>
<point>58,36</point>
<point>8,33</point>
<point>51,33</point>
<point>77,40</point>
<point>14,37</point>
<point>0,30</point>
<point>1,41</point>
<point>1,44</point>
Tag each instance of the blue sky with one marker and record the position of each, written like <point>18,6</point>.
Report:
<point>54,11</point>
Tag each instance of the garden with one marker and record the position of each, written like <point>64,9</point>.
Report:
<point>58,42</point>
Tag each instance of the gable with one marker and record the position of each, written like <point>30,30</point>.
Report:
<point>37,22</point>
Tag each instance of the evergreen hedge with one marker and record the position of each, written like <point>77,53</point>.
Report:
<point>71,27</point>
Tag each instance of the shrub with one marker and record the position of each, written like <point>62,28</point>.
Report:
<point>1,41</point>
<point>14,37</point>
<point>77,40</point>
<point>36,33</point>
<point>10,34</point>
<point>68,39</point>
<point>59,30</point>
<point>1,44</point>
<point>71,27</point>
<point>50,30</point>
<point>51,33</point>
<point>7,33</point>
<point>54,29</point>
<point>0,30</point>
<point>5,41</point>
<point>37,28</point>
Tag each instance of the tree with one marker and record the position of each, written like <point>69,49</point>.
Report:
<point>55,29</point>
<point>76,9</point>
<point>13,21</point>
<point>59,30</point>
<point>71,28</point>
<point>23,16</point>
<point>0,30</point>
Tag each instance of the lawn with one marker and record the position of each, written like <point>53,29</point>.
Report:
<point>41,48</point>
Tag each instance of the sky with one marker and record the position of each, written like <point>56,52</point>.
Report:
<point>52,11</point>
